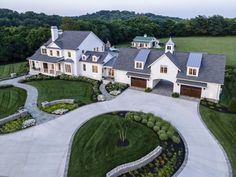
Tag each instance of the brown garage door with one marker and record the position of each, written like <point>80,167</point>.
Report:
<point>191,91</point>
<point>137,82</point>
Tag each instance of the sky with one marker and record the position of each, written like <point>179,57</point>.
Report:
<point>175,8</point>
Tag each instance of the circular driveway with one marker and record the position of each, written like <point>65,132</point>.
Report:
<point>42,150</point>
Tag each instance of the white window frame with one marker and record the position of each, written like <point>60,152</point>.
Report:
<point>193,69</point>
<point>162,69</point>
<point>94,58</point>
<point>138,65</point>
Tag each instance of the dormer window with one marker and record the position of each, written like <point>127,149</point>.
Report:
<point>94,58</point>
<point>84,57</point>
<point>138,65</point>
<point>192,72</point>
<point>69,54</point>
<point>44,51</point>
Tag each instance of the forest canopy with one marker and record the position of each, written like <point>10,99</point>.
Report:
<point>22,33</point>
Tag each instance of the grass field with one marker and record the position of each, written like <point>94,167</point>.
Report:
<point>11,99</point>
<point>223,126</point>
<point>217,45</point>
<point>95,151</point>
<point>50,90</point>
<point>6,70</point>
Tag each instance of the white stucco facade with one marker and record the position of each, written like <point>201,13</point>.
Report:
<point>68,61</point>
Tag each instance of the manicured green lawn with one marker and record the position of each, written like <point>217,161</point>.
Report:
<point>95,151</point>
<point>221,45</point>
<point>6,70</point>
<point>50,90</point>
<point>11,99</point>
<point>223,126</point>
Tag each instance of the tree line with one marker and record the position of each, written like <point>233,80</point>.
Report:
<point>22,33</point>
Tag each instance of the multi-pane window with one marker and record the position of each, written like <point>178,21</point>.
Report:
<point>44,51</point>
<point>58,53</point>
<point>51,52</point>
<point>192,71</point>
<point>94,68</point>
<point>69,54</point>
<point>68,68</point>
<point>138,65</point>
<point>52,66</point>
<point>164,69</point>
<point>84,67</point>
<point>169,47</point>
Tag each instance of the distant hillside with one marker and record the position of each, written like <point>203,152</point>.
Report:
<point>106,15</point>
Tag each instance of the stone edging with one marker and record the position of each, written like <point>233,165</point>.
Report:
<point>226,157</point>
<point>135,164</point>
<point>51,103</point>
<point>15,116</point>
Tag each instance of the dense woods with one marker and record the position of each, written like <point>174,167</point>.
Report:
<point>22,33</point>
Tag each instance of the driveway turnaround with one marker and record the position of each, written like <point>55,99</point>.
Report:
<point>42,150</point>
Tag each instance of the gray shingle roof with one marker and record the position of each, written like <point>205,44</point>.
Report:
<point>70,39</point>
<point>194,60</point>
<point>212,67</point>
<point>39,57</point>
<point>101,56</point>
<point>111,62</point>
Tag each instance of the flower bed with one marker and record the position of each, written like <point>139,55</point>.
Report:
<point>69,107</point>
<point>113,87</point>
<point>173,153</point>
<point>14,125</point>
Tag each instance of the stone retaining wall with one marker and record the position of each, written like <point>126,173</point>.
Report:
<point>17,115</point>
<point>122,169</point>
<point>51,103</point>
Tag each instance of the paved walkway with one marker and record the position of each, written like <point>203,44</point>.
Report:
<point>42,150</point>
<point>103,90</point>
<point>31,101</point>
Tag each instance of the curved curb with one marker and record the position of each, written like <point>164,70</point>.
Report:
<point>73,135</point>
<point>216,140</point>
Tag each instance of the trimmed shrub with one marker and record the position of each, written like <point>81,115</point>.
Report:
<point>6,86</point>
<point>150,124</point>
<point>156,128</point>
<point>144,121</point>
<point>176,139</point>
<point>165,126</point>
<point>148,90</point>
<point>129,115</point>
<point>159,123</point>
<point>137,118</point>
<point>232,105</point>
<point>163,137</point>
<point>175,95</point>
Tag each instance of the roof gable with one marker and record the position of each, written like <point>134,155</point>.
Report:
<point>70,40</point>
<point>170,56</point>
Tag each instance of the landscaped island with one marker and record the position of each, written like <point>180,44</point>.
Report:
<point>11,100</point>
<point>112,139</point>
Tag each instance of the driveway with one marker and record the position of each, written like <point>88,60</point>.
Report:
<point>41,151</point>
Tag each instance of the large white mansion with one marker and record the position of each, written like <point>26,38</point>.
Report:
<point>82,53</point>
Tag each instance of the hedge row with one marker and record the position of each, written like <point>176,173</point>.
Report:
<point>163,128</point>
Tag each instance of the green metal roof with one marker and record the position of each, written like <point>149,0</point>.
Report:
<point>143,39</point>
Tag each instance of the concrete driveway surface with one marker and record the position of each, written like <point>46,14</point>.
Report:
<point>41,151</point>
